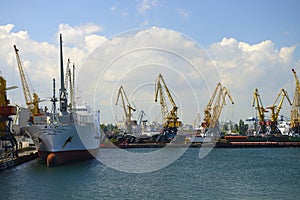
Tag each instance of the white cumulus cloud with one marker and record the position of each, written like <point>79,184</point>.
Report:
<point>135,59</point>
<point>40,59</point>
<point>245,67</point>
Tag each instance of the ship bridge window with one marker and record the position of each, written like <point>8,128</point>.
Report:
<point>85,119</point>
<point>81,109</point>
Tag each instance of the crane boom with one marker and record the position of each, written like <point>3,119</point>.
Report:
<point>170,119</point>
<point>295,111</point>
<point>276,109</point>
<point>25,86</point>
<point>296,78</point>
<point>215,104</point>
<point>275,112</point>
<point>31,103</point>
<point>260,110</point>
<point>220,103</point>
<point>218,87</point>
<point>127,108</point>
<point>163,104</point>
<point>160,77</point>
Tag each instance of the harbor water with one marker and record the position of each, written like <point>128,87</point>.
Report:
<point>235,173</point>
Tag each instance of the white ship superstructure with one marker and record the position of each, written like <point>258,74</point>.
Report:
<point>71,135</point>
<point>75,137</point>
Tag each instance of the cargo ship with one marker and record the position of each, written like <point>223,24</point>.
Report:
<point>75,137</point>
<point>72,135</point>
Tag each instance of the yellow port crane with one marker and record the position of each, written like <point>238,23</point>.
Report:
<point>127,109</point>
<point>33,104</point>
<point>6,111</point>
<point>218,98</point>
<point>295,111</point>
<point>276,109</point>
<point>261,127</point>
<point>170,119</point>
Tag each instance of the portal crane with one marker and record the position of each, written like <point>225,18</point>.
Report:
<point>295,112</point>
<point>260,111</point>
<point>170,119</point>
<point>127,109</point>
<point>6,111</point>
<point>218,98</point>
<point>275,111</point>
<point>33,104</point>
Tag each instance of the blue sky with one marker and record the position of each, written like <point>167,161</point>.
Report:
<point>205,21</point>
<point>227,30</point>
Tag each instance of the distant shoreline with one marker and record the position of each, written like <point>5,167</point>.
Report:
<point>208,145</point>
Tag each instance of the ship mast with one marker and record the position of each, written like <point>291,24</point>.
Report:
<point>54,100</point>
<point>62,92</point>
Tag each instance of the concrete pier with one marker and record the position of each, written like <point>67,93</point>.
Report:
<point>24,156</point>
